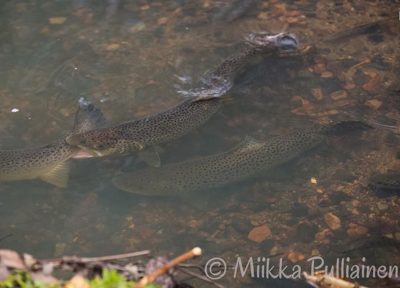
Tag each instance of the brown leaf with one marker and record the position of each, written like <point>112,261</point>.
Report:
<point>11,259</point>
<point>77,282</point>
<point>29,260</point>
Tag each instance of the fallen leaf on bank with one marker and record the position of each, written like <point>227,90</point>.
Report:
<point>11,259</point>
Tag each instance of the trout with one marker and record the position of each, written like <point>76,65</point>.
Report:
<point>50,162</point>
<point>247,160</point>
<point>143,134</point>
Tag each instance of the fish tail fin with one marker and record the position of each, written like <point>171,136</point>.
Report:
<point>344,127</point>
<point>58,175</point>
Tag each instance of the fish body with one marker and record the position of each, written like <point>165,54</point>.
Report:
<point>49,162</point>
<point>247,160</point>
<point>219,80</point>
<point>162,127</point>
<point>256,44</point>
<point>148,131</point>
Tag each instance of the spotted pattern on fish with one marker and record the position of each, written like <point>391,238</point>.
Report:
<point>247,160</point>
<point>220,80</point>
<point>165,126</point>
<point>32,163</point>
<point>41,162</point>
<point>158,128</point>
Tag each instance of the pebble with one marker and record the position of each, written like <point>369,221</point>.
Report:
<point>355,230</point>
<point>382,206</point>
<point>274,250</point>
<point>241,225</point>
<point>57,20</point>
<point>319,68</point>
<point>295,256</point>
<point>145,7</point>
<point>374,104</point>
<point>326,74</point>
<point>280,8</point>
<point>305,232</point>
<point>323,235</point>
<point>373,84</point>
<point>333,221</point>
<point>292,20</point>
<point>137,27</point>
<point>259,218</point>
<point>349,86</point>
<point>315,252</point>
<point>162,21</point>
<point>338,95</point>
<point>263,16</point>
<point>299,210</point>
<point>259,234</point>
<point>112,46</point>
<point>317,93</point>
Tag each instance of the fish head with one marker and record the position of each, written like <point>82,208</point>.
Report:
<point>267,42</point>
<point>96,142</point>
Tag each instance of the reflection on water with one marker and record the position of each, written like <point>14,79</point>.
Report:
<point>128,58</point>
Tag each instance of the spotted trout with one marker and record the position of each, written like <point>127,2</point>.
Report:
<point>247,160</point>
<point>142,134</point>
<point>50,162</point>
<point>219,80</point>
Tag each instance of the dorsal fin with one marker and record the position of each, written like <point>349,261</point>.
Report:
<point>246,144</point>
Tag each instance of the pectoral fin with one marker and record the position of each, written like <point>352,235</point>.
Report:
<point>150,156</point>
<point>58,175</point>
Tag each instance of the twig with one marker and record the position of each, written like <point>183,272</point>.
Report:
<point>201,277</point>
<point>323,280</point>
<point>182,258</point>
<point>98,259</point>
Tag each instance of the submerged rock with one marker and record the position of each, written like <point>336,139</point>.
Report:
<point>260,233</point>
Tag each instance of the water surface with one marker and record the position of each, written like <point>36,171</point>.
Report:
<point>130,58</point>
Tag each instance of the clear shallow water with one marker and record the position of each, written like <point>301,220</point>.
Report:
<point>127,59</point>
